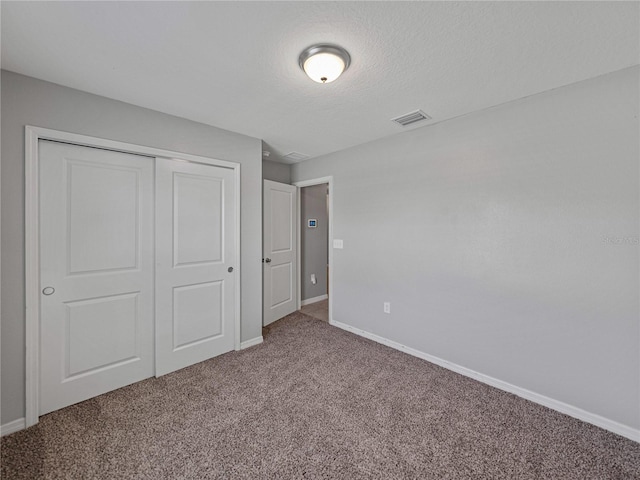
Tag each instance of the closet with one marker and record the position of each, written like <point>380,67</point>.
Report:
<point>137,257</point>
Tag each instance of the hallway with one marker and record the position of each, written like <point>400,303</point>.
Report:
<point>319,310</point>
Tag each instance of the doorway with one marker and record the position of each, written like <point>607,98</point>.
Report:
<point>315,234</point>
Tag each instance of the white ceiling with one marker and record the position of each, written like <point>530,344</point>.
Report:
<point>234,65</point>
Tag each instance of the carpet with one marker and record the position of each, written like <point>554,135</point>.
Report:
<point>314,401</point>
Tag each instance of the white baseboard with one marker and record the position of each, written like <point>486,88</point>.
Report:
<point>11,427</point>
<point>251,343</point>
<point>592,418</point>
<point>309,301</point>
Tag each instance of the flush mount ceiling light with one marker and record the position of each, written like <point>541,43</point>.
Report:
<point>324,63</point>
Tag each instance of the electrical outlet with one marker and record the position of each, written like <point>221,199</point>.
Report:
<point>387,307</point>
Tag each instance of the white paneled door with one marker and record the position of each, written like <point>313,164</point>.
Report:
<point>195,269</point>
<point>123,298</point>
<point>96,260</point>
<point>279,251</point>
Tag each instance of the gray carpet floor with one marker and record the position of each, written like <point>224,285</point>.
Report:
<point>314,401</point>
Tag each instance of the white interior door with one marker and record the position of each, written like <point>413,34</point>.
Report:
<point>279,250</point>
<point>195,269</point>
<point>96,260</point>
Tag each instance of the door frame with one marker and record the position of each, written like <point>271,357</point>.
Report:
<point>32,241</point>
<point>309,183</point>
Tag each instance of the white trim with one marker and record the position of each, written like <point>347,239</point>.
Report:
<point>309,301</point>
<point>12,427</point>
<point>32,246</point>
<point>237,322</point>
<point>312,182</point>
<point>88,141</point>
<point>298,272</point>
<point>251,343</point>
<point>308,183</point>
<point>32,278</point>
<point>597,420</point>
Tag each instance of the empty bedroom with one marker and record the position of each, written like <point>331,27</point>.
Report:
<point>340,240</point>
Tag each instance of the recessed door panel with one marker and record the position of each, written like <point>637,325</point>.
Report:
<point>195,273</point>
<point>198,231</point>
<point>281,283</point>
<point>198,311</point>
<point>103,224</point>
<point>96,272</point>
<point>282,209</point>
<point>101,333</point>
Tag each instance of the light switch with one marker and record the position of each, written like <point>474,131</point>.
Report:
<point>337,243</point>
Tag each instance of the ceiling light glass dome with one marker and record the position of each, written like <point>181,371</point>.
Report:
<point>324,63</point>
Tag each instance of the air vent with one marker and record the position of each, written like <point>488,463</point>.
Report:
<point>295,156</point>
<point>411,118</point>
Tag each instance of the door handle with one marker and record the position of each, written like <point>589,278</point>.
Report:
<point>267,260</point>
<point>230,269</point>
<point>48,290</point>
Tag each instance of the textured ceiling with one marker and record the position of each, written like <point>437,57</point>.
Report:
<point>234,64</point>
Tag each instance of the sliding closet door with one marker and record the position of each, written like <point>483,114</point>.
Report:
<point>195,270</point>
<point>96,260</point>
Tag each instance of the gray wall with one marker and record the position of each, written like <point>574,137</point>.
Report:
<point>506,242</point>
<point>314,241</point>
<point>276,172</point>
<point>27,101</point>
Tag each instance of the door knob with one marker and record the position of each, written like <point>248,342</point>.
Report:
<point>267,260</point>
<point>48,290</point>
<point>230,269</point>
